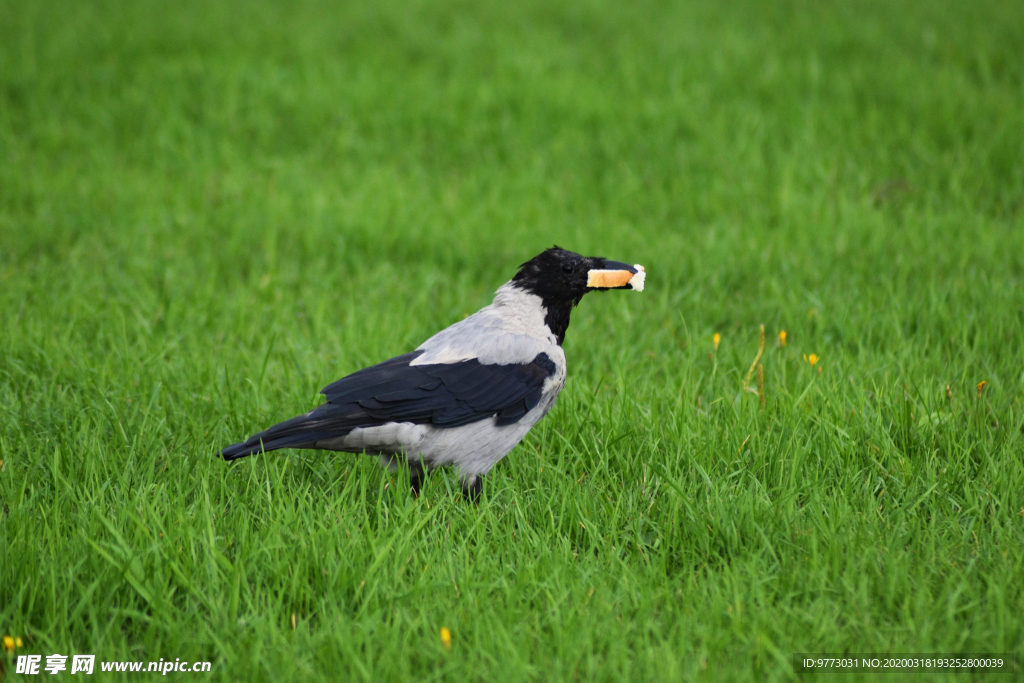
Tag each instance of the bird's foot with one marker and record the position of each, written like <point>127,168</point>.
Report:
<point>472,487</point>
<point>417,475</point>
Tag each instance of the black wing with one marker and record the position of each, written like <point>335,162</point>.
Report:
<point>443,395</point>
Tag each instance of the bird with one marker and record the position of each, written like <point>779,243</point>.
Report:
<point>470,393</point>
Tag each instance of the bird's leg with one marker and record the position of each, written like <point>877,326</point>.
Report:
<point>417,473</point>
<point>472,487</point>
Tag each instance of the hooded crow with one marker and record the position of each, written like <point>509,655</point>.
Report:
<point>468,394</point>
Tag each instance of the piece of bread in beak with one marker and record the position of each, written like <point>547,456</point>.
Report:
<point>617,279</point>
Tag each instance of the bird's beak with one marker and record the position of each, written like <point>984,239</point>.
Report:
<point>616,275</point>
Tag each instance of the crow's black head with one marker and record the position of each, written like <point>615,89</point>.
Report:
<point>561,278</point>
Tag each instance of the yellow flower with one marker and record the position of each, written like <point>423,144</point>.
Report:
<point>716,339</point>
<point>18,643</point>
<point>9,644</point>
<point>812,359</point>
<point>981,386</point>
<point>782,338</point>
<point>446,638</point>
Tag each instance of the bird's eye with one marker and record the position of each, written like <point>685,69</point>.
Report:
<point>568,268</point>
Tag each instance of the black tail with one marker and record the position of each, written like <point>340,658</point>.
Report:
<point>252,446</point>
<point>299,432</point>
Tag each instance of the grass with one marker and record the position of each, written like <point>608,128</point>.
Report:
<point>208,211</point>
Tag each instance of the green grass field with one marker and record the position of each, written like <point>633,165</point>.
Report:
<point>210,210</point>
